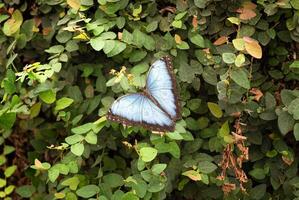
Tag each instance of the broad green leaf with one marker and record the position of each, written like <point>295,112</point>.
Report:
<point>97,43</point>
<point>73,139</point>
<point>91,138</point>
<point>239,44</point>
<point>48,96</point>
<point>296,131</point>
<point>215,109</point>
<point>25,191</point>
<point>117,49</point>
<point>10,170</point>
<point>12,25</point>
<point>285,122</point>
<point>148,154</point>
<point>75,4</point>
<point>83,128</point>
<point>53,174</point>
<point>113,180</point>
<point>7,120</point>
<point>193,175</point>
<point>2,182</point>
<point>229,58</point>
<point>72,183</point>
<point>241,78</point>
<point>197,40</point>
<point>88,191</point>
<point>240,60</point>
<point>158,168</point>
<point>63,103</point>
<point>206,167</point>
<point>77,149</point>
<point>129,196</point>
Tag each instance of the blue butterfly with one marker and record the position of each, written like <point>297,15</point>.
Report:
<point>157,107</point>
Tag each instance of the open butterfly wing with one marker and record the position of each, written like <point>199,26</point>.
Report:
<point>161,86</point>
<point>138,109</point>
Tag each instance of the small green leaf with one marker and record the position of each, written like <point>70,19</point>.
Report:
<point>12,25</point>
<point>198,40</point>
<point>113,180</point>
<point>25,191</point>
<point>148,154</point>
<point>10,170</point>
<point>240,60</point>
<point>215,109</point>
<point>91,138</point>
<point>206,167</point>
<point>74,139</point>
<point>285,122</point>
<point>296,131</point>
<point>129,196</point>
<point>192,174</point>
<point>48,96</point>
<point>97,43</point>
<point>53,174</point>
<point>72,183</point>
<point>241,78</point>
<point>88,191</point>
<point>77,149</point>
<point>229,58</point>
<point>63,103</point>
<point>83,128</point>
<point>158,168</point>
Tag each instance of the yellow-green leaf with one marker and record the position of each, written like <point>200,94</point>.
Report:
<point>193,175</point>
<point>215,109</point>
<point>12,25</point>
<point>75,4</point>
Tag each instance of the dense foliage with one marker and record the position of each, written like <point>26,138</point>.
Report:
<point>63,62</point>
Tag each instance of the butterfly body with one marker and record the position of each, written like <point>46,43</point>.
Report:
<point>157,107</point>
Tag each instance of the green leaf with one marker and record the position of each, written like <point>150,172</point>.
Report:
<point>109,46</point>
<point>152,26</point>
<point>296,131</point>
<point>53,174</point>
<point>74,139</point>
<point>2,182</point>
<point>117,49</point>
<point>295,64</point>
<point>10,170</point>
<point>63,103</point>
<point>25,191</point>
<point>285,122</point>
<point>129,196</point>
<point>258,173</point>
<point>258,191</point>
<point>83,128</point>
<point>88,191</point>
<point>77,149</point>
<point>239,44</point>
<point>113,180</point>
<point>7,120</point>
<point>229,58</point>
<point>240,60</point>
<point>158,168</point>
<point>12,25</point>
<point>72,183</point>
<point>206,167</point>
<point>295,4</point>
<point>91,138</point>
<point>198,40</point>
<point>148,154</point>
<point>293,108</point>
<point>9,189</point>
<point>241,78</point>
<point>192,174</point>
<point>48,96</point>
<point>97,43</point>
<point>215,109</point>
<point>8,149</point>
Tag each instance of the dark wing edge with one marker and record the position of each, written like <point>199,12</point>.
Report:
<point>169,66</point>
<point>151,127</point>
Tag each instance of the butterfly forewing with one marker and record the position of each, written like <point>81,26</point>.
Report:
<point>161,86</point>
<point>138,109</point>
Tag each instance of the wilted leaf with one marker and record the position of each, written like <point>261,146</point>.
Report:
<point>253,48</point>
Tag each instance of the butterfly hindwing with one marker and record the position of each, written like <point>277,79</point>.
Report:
<point>138,109</point>
<point>161,86</point>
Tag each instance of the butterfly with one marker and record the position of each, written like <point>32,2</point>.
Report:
<point>157,107</point>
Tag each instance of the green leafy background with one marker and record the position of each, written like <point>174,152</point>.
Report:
<point>63,62</point>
